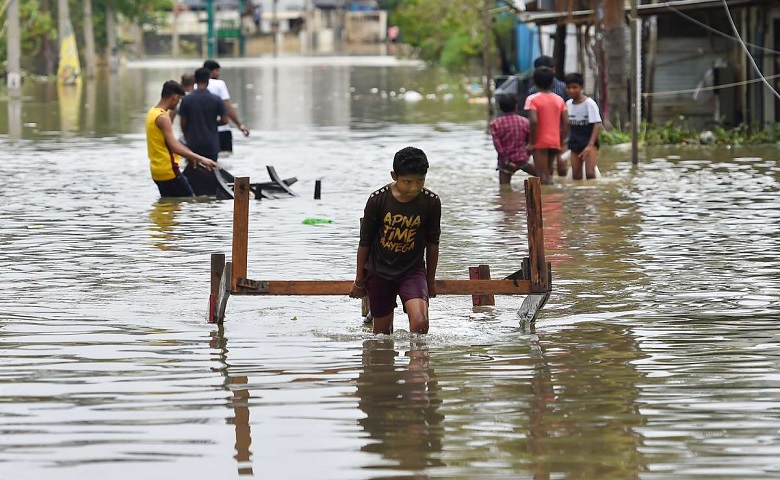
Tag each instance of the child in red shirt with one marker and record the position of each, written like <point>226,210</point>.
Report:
<point>510,134</point>
<point>549,123</point>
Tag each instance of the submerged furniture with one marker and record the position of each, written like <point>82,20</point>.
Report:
<point>533,279</point>
<point>220,183</point>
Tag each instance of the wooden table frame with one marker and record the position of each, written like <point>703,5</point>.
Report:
<point>532,279</point>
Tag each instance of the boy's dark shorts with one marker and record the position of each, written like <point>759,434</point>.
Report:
<point>382,293</point>
<point>177,187</point>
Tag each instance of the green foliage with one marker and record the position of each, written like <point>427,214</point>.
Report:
<point>678,132</point>
<point>36,26</point>
<point>435,28</point>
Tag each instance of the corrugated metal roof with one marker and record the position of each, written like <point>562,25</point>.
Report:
<point>642,10</point>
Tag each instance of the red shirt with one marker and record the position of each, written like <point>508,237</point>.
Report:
<point>510,136</point>
<point>549,108</point>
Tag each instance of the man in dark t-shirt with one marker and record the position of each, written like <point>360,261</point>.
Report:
<point>399,245</point>
<point>200,113</point>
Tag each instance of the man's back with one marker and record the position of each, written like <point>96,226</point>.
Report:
<point>548,107</point>
<point>200,109</point>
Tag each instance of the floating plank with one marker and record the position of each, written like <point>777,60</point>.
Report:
<point>342,287</point>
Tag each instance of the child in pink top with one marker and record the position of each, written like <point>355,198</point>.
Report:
<point>549,123</point>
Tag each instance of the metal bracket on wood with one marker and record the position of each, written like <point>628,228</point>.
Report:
<point>255,286</point>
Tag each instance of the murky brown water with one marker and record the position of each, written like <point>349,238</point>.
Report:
<point>656,357</point>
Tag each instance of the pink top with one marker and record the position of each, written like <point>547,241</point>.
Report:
<point>549,108</point>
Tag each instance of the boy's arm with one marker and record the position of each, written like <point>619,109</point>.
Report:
<point>358,289</point>
<point>431,262</point>
<point>533,118</point>
<point>594,136</point>
<point>564,126</point>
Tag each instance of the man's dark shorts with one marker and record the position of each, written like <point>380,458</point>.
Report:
<point>382,293</point>
<point>225,141</point>
<point>178,187</point>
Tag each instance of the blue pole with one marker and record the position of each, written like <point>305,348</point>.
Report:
<point>211,41</point>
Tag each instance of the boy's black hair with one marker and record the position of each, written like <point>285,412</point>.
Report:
<point>202,75</point>
<point>211,65</point>
<point>574,78</point>
<point>410,161</point>
<point>543,78</point>
<point>507,102</point>
<point>544,61</point>
<point>187,79</point>
<point>171,87</point>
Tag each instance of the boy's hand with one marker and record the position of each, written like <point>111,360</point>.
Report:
<point>357,291</point>
<point>208,164</point>
<point>431,288</point>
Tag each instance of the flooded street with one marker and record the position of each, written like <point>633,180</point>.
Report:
<point>657,356</point>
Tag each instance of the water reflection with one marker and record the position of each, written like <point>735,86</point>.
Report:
<point>401,403</point>
<point>164,223</point>
<point>70,107</point>
<point>578,395</point>
<point>14,118</point>
<point>239,402</point>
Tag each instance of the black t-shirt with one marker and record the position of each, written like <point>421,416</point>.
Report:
<point>398,232</point>
<point>201,108</point>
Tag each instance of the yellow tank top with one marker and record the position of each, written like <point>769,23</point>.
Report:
<point>163,163</point>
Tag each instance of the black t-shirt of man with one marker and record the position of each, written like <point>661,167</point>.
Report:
<point>398,232</point>
<point>201,108</point>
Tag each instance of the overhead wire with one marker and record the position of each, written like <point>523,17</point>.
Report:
<point>716,31</point>
<point>705,89</point>
<point>747,52</point>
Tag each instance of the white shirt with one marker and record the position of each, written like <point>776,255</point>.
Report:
<point>219,88</point>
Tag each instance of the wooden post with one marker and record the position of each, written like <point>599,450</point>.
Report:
<point>540,278</point>
<point>240,229</point>
<point>481,272</point>
<point>217,267</point>
<point>317,189</point>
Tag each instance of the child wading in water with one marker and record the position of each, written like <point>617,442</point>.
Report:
<point>549,123</point>
<point>399,245</point>
<point>510,134</point>
<point>584,127</point>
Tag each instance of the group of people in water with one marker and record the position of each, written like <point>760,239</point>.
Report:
<point>202,103</point>
<point>559,115</point>
<point>398,248</point>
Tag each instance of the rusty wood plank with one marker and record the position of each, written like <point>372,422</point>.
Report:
<point>240,229</point>
<point>223,294</point>
<point>484,274</point>
<point>217,267</point>
<point>540,279</point>
<point>342,287</point>
<point>481,272</point>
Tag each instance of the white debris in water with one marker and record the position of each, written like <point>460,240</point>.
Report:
<point>412,96</point>
<point>430,96</point>
<point>374,90</point>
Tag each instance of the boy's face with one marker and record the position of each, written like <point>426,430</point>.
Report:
<point>574,90</point>
<point>409,186</point>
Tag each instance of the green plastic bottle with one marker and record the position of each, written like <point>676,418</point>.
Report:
<point>316,220</point>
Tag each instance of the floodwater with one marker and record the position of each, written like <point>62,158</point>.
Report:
<point>657,356</point>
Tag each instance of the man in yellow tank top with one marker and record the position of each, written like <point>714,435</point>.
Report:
<point>163,148</point>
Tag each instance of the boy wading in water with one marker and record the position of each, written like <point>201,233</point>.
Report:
<point>584,125</point>
<point>510,134</point>
<point>399,245</point>
<point>549,123</point>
